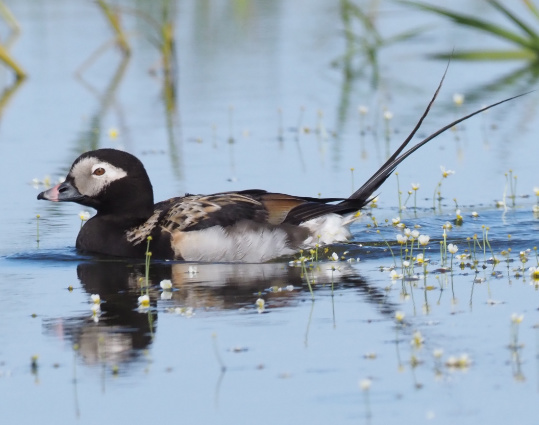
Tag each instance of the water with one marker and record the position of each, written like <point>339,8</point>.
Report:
<point>206,354</point>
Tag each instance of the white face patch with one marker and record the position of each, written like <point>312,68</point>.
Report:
<point>92,176</point>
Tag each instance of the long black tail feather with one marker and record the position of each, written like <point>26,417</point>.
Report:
<point>364,194</point>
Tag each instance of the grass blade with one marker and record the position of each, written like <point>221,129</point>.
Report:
<point>479,24</point>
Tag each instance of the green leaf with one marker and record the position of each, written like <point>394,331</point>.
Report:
<point>481,55</point>
<point>479,24</point>
<point>516,20</point>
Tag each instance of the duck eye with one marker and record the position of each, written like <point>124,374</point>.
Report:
<point>99,171</point>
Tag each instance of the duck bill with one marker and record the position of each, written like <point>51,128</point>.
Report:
<point>63,192</point>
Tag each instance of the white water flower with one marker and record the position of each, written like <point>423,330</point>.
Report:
<point>417,339</point>
<point>166,285</point>
<point>394,275</point>
<point>534,272</point>
<point>365,384</point>
<point>402,239</point>
<point>452,248</point>
<point>84,215</point>
<point>446,173</point>
<point>144,301</point>
<point>96,299</point>
<point>260,305</point>
<point>447,226</point>
<point>517,318</point>
<point>423,240</point>
<point>458,99</point>
<point>438,353</point>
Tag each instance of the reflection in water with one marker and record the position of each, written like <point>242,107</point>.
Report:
<point>8,93</point>
<point>123,331</point>
<point>89,140</point>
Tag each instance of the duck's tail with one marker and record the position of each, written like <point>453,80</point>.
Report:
<point>317,207</point>
<point>364,194</point>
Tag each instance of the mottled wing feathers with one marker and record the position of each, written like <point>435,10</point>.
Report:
<point>198,212</point>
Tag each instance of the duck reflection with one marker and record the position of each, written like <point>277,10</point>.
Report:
<point>123,331</point>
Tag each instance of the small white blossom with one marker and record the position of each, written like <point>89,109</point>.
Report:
<point>458,99</point>
<point>423,240</point>
<point>260,305</point>
<point>402,239</point>
<point>84,215</point>
<point>517,318</point>
<point>452,248</point>
<point>365,384</point>
<point>417,339</point>
<point>394,275</point>
<point>144,301</point>
<point>446,173</point>
<point>438,353</point>
<point>166,285</point>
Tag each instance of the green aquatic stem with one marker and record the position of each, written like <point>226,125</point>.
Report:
<point>306,274</point>
<point>37,229</point>
<point>489,247</point>
<point>513,186</point>
<point>389,247</point>
<point>443,248</point>
<point>408,198</point>
<point>484,245</point>
<point>147,263</point>
<point>437,188</point>
<point>398,191</point>
<point>424,263</point>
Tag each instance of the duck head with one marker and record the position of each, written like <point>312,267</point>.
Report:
<point>109,180</point>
